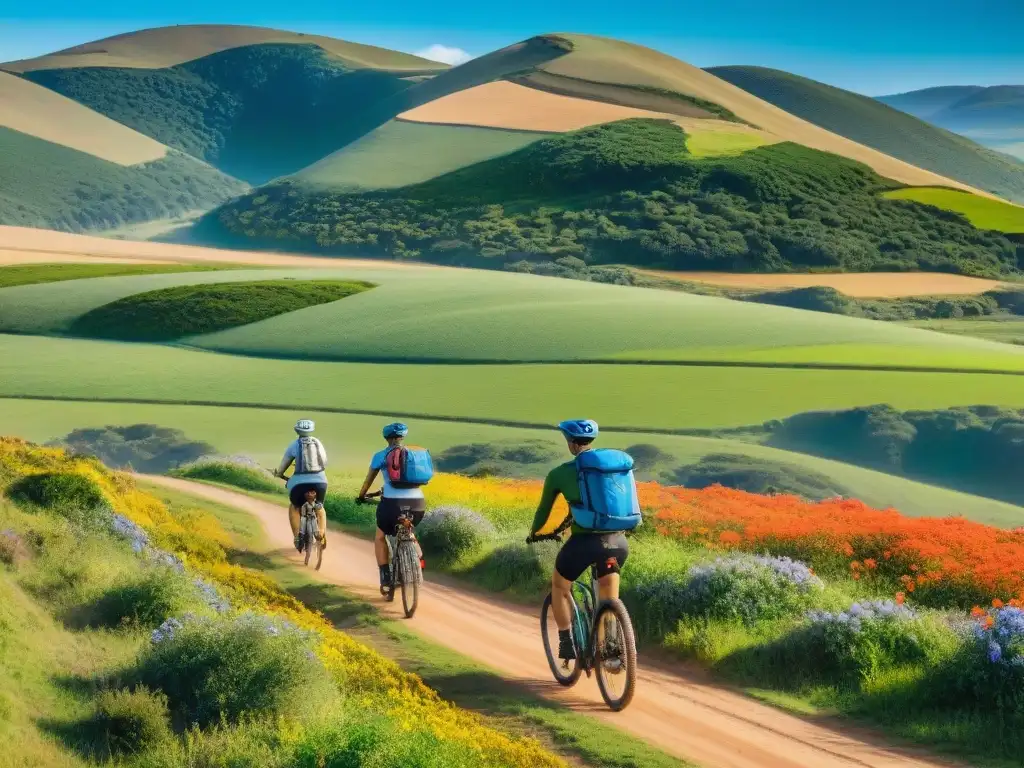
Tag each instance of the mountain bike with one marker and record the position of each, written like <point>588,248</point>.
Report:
<point>404,561</point>
<point>603,636</point>
<point>309,536</point>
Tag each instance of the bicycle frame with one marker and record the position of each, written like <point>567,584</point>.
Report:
<point>587,594</point>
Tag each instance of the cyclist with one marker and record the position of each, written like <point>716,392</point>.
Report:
<point>605,550</point>
<point>394,501</point>
<point>310,459</point>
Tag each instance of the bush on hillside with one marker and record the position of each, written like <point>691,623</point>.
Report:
<point>452,532</point>
<point>69,494</point>
<point>142,601</point>
<point>239,471</point>
<point>815,298</point>
<point>518,567</point>
<point>644,202</point>
<point>648,458</point>
<point>501,459</point>
<point>225,669</point>
<point>978,448</point>
<point>186,310</point>
<point>739,587</point>
<point>126,723</point>
<point>146,448</point>
<point>762,476</point>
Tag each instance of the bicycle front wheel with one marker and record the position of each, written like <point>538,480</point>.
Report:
<point>409,575</point>
<point>565,672</point>
<point>615,655</point>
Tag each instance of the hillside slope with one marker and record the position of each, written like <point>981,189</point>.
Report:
<point>630,192</point>
<point>255,110</point>
<point>993,116</point>
<point>161,47</point>
<point>877,125</point>
<point>64,166</point>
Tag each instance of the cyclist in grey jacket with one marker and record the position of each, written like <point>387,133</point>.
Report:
<point>310,459</point>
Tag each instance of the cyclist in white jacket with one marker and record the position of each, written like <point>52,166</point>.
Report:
<point>310,458</point>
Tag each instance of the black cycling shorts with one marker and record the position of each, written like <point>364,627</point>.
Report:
<point>297,495</point>
<point>607,551</point>
<point>389,510</point>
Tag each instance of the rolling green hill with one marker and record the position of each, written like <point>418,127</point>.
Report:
<point>877,125</point>
<point>929,101</point>
<point>255,111</point>
<point>629,192</point>
<point>55,187</point>
<point>401,153</point>
<point>459,316</point>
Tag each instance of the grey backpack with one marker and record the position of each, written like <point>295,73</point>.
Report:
<point>310,459</point>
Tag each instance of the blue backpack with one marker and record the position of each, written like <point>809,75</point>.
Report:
<point>608,491</point>
<point>408,466</point>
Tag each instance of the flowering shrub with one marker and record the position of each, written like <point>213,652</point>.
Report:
<point>241,471</point>
<point>452,532</point>
<point>741,587</point>
<point>223,669</point>
<point>869,636</point>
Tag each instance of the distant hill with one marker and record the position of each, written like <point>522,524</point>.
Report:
<point>628,192</point>
<point>875,124</point>
<point>254,103</point>
<point>64,166</point>
<point>993,116</point>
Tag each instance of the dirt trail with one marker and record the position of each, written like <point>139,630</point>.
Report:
<point>710,726</point>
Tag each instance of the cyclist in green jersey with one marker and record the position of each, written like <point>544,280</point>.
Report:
<point>606,551</point>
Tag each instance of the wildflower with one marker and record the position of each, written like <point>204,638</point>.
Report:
<point>900,598</point>
<point>977,612</point>
<point>870,563</point>
<point>997,603</point>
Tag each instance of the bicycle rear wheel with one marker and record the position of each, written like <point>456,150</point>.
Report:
<point>565,672</point>
<point>615,654</point>
<point>410,575</point>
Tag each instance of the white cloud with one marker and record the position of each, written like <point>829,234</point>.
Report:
<point>445,53</point>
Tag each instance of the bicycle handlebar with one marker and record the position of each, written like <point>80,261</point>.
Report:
<point>366,499</point>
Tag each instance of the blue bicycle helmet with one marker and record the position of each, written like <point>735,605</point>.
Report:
<point>575,429</point>
<point>398,429</point>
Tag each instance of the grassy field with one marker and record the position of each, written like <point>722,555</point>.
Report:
<point>51,186</point>
<point>660,397</point>
<point>980,211</point>
<point>712,139</point>
<point>458,315</point>
<point>352,439</point>
<point>36,274</point>
<point>173,313</point>
<point>874,124</point>
<point>400,153</point>
<point>1008,330</point>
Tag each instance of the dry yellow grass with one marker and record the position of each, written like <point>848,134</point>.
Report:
<point>506,105</point>
<point>873,285</point>
<point>621,63</point>
<point>40,112</point>
<point>168,46</point>
<point>23,245</point>
<point>510,106</point>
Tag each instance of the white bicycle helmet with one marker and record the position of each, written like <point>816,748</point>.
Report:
<point>305,427</point>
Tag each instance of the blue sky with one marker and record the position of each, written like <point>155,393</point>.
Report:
<point>871,46</point>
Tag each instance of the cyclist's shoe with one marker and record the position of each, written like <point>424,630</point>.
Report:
<point>385,579</point>
<point>566,649</point>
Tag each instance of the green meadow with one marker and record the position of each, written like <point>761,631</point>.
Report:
<point>427,314</point>
<point>351,439</point>
<point>982,212</point>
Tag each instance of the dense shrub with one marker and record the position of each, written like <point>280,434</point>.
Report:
<point>69,494</point>
<point>126,723</point>
<point>648,458</point>
<point>644,202</point>
<point>167,314</point>
<point>978,448</point>
<point>228,668</point>
<point>816,298</point>
<point>756,476</point>
<point>518,567</point>
<point>144,447</point>
<point>501,459</point>
<point>238,471</point>
<point>744,588</point>
<point>452,532</point>
<point>143,601</point>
